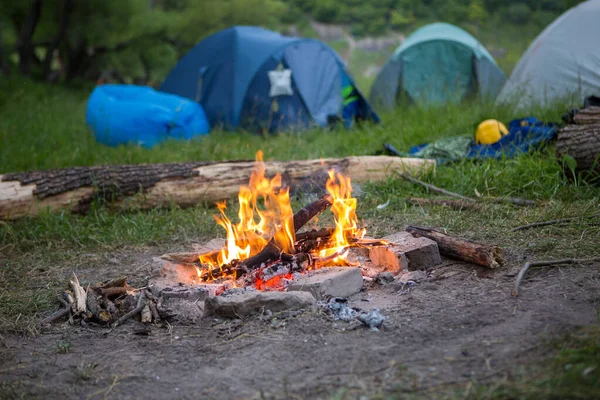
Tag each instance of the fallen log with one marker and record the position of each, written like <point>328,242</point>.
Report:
<point>465,250</point>
<point>582,143</point>
<point>143,186</point>
<point>587,116</point>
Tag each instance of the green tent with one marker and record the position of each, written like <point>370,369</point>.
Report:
<point>436,64</point>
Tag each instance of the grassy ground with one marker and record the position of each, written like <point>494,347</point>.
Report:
<point>44,127</point>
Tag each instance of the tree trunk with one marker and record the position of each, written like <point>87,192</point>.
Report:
<point>184,184</point>
<point>582,142</point>
<point>25,43</point>
<point>587,116</point>
<point>62,29</point>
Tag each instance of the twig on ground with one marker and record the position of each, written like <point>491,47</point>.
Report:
<point>433,188</point>
<point>547,263</point>
<point>551,222</point>
<point>455,204</point>
<point>66,310</point>
<point>141,303</point>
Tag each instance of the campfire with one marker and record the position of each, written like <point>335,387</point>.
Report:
<point>272,260</point>
<point>266,247</point>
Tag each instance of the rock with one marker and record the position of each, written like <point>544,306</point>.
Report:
<point>252,302</point>
<point>414,276</point>
<point>329,282</point>
<point>185,311</point>
<point>388,259</point>
<point>384,278</point>
<point>421,252</point>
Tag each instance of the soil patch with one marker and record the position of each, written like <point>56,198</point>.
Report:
<point>460,323</point>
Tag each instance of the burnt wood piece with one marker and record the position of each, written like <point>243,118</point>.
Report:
<point>184,184</point>
<point>271,251</point>
<point>582,143</point>
<point>481,254</point>
<point>587,116</point>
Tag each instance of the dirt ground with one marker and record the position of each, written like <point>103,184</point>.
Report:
<point>461,324</point>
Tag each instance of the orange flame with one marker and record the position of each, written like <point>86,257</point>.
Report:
<point>264,212</point>
<point>344,214</point>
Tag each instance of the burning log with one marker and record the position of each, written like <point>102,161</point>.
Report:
<point>272,252</point>
<point>185,184</point>
<point>461,249</point>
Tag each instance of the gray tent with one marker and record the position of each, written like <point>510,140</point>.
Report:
<point>563,62</point>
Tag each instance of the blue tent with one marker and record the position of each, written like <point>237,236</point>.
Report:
<point>230,74</point>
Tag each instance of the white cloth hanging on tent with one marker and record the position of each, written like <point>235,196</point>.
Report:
<point>281,82</point>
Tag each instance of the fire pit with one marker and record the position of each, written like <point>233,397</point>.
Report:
<point>269,261</point>
<point>268,251</point>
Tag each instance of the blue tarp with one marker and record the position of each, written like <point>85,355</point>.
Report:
<point>523,135</point>
<point>120,114</point>
<point>227,74</point>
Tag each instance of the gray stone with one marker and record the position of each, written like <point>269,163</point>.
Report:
<point>329,282</point>
<point>184,310</point>
<point>421,252</point>
<point>252,302</point>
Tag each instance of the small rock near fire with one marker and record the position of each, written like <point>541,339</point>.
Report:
<point>249,303</point>
<point>330,282</point>
<point>422,253</point>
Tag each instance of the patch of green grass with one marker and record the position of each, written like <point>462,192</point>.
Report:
<point>573,373</point>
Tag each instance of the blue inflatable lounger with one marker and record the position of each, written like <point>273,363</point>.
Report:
<point>121,114</point>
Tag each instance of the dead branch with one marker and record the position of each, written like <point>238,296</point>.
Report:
<point>141,303</point>
<point>551,222</point>
<point>455,204</point>
<point>461,249</point>
<point>433,188</point>
<point>152,304</point>
<point>112,291</point>
<point>79,306</point>
<point>66,310</point>
<point>548,263</point>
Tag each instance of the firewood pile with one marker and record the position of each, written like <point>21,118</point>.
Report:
<point>109,303</point>
<point>580,140</point>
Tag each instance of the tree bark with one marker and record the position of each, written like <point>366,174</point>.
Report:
<point>461,249</point>
<point>126,187</point>
<point>55,43</point>
<point>582,142</point>
<point>25,43</point>
<point>587,116</point>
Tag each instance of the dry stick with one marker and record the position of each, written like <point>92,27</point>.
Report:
<point>466,250</point>
<point>549,263</point>
<point>60,313</point>
<point>455,204</point>
<point>550,222</point>
<point>514,200</point>
<point>141,303</point>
